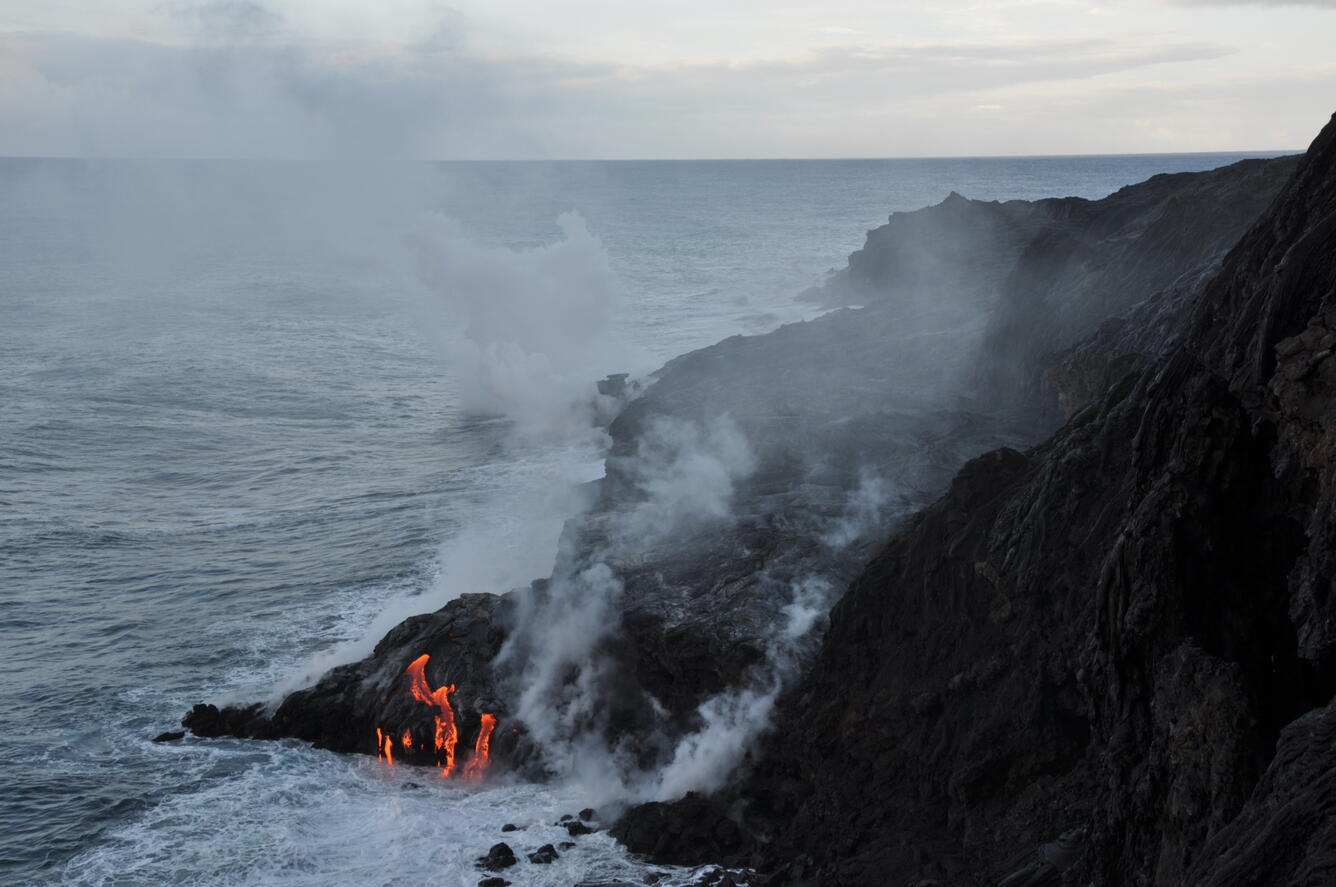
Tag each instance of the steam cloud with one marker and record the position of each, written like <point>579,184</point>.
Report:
<point>685,473</point>
<point>704,760</point>
<point>528,330</point>
<point>865,511</point>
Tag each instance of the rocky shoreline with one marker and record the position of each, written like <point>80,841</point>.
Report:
<point>1082,661</point>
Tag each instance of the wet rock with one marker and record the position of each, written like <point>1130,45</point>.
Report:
<point>588,814</point>
<point>565,817</point>
<point>493,882</point>
<point>498,858</point>
<point>345,708</point>
<point>544,855</point>
<point>170,736</point>
<point>206,720</point>
<point>717,878</point>
<point>576,828</point>
<point>566,845</point>
<point>510,827</point>
<point>618,387</point>
<point>687,832</point>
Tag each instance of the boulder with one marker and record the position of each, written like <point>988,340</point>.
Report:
<point>498,858</point>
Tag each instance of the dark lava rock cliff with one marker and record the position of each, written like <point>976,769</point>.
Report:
<point>801,450</point>
<point>926,375</point>
<point>1108,660</point>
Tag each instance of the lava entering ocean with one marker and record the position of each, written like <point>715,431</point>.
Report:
<point>482,749</point>
<point>447,731</point>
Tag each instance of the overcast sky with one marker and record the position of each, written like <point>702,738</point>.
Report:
<point>689,78</point>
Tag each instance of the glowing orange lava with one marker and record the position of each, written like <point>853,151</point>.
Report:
<point>447,732</point>
<point>482,749</point>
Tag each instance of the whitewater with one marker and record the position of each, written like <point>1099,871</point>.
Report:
<point>251,415</point>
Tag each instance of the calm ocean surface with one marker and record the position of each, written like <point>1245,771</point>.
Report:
<point>233,434</point>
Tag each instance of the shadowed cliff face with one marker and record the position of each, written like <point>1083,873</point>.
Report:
<point>1111,659</point>
<point>755,478</point>
<point>966,304</point>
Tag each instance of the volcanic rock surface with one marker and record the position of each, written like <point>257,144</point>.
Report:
<point>801,450</point>
<point>1110,659</point>
<point>350,703</point>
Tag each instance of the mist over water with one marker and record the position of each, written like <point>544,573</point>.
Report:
<point>255,413</point>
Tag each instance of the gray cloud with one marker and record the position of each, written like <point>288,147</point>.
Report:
<point>255,90</point>
<point>859,74</point>
<point>232,19</point>
<point>1327,4</point>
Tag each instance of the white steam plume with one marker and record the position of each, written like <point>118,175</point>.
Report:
<point>733,720</point>
<point>525,334</point>
<point>686,472</point>
<point>526,331</point>
<point>865,511</point>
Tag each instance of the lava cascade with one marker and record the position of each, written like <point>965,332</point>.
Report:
<point>447,730</point>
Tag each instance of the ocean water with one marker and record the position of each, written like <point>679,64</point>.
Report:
<point>240,435</point>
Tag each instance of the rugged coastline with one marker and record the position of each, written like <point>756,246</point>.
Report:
<point>974,696</point>
<point>1106,660</point>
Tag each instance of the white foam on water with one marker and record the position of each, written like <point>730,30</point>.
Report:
<point>286,815</point>
<point>231,812</point>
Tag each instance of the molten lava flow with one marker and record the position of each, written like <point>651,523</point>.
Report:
<point>447,734</point>
<point>482,749</point>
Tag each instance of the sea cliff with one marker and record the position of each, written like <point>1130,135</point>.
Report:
<point>1082,654</point>
<point>1107,659</point>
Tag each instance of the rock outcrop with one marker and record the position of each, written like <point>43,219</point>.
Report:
<point>344,710</point>
<point>1050,271</point>
<point>1110,659</point>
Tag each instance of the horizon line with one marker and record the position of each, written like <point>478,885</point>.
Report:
<point>180,159</point>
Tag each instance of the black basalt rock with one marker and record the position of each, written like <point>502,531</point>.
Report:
<point>1108,660</point>
<point>544,855</point>
<point>498,858</point>
<point>346,707</point>
<point>695,829</point>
